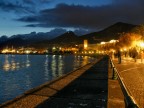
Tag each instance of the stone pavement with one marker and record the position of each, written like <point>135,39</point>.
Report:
<point>90,90</point>
<point>115,95</point>
<point>132,74</point>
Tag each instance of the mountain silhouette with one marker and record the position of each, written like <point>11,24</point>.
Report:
<point>112,32</point>
<point>67,39</point>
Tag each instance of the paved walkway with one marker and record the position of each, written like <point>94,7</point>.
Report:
<point>132,74</point>
<point>115,95</point>
<point>90,90</point>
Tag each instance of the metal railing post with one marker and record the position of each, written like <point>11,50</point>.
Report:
<point>111,65</point>
<point>114,75</point>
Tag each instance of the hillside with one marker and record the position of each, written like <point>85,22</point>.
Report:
<point>111,32</point>
<point>66,39</point>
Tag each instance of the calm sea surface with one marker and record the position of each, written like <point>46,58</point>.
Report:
<point>19,73</point>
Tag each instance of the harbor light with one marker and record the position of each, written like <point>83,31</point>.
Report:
<point>5,51</point>
<point>27,51</point>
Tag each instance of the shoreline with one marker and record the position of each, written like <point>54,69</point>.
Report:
<point>25,94</point>
<point>67,72</point>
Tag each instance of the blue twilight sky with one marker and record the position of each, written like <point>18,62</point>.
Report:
<point>80,16</point>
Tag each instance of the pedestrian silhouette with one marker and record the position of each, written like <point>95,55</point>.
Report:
<point>119,56</point>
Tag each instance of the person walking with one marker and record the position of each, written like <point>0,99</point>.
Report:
<point>134,54</point>
<point>119,56</point>
<point>142,56</point>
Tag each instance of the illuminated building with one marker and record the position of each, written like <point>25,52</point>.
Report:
<point>85,44</point>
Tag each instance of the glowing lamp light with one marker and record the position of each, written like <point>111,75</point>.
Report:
<point>85,44</point>
<point>54,48</point>
<point>142,44</point>
<point>125,49</point>
<point>113,51</point>
<point>112,41</point>
<point>102,43</point>
<point>27,51</point>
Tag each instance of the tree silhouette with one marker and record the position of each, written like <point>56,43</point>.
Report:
<point>129,39</point>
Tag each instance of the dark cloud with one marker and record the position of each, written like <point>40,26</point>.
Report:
<point>33,2</point>
<point>56,32</point>
<point>29,19</point>
<point>45,1</point>
<point>9,6</point>
<point>23,6</point>
<point>79,16</point>
<point>28,2</point>
<point>18,7</point>
<point>128,2</point>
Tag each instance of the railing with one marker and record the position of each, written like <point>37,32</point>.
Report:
<point>129,101</point>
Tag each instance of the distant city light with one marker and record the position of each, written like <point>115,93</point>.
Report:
<point>54,48</point>
<point>113,41</point>
<point>102,42</point>
<point>27,51</point>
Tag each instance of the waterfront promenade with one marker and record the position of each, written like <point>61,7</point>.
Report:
<point>132,74</point>
<point>90,86</point>
<point>86,87</point>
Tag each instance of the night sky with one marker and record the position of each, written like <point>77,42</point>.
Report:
<point>80,16</point>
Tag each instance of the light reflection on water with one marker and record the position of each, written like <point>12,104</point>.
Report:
<point>10,64</point>
<point>19,73</point>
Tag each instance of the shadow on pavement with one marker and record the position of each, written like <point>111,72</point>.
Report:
<point>90,90</point>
